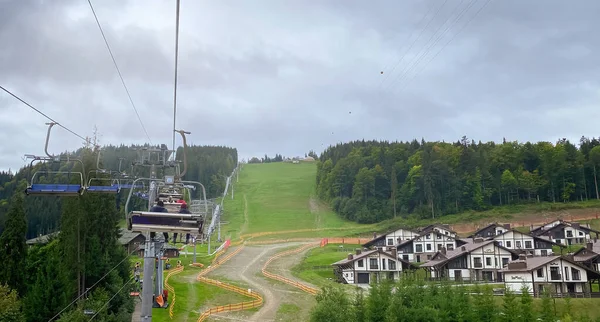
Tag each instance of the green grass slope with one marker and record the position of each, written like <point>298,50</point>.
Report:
<point>279,197</point>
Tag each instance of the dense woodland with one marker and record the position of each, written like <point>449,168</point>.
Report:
<point>370,181</point>
<point>206,164</point>
<point>40,282</point>
<point>410,301</point>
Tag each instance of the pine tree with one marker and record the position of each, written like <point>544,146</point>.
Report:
<point>546,311</point>
<point>526,306</point>
<point>10,305</point>
<point>13,249</point>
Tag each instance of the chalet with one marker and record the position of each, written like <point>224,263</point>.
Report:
<point>42,239</point>
<point>478,261</point>
<point>566,233</point>
<point>392,238</point>
<point>558,275</point>
<point>440,229</point>
<point>525,243</point>
<point>589,256</point>
<point>370,266</point>
<point>169,251</point>
<point>491,230</point>
<point>131,240</point>
<point>423,247</point>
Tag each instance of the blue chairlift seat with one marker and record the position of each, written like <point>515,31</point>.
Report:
<point>103,189</point>
<point>39,189</point>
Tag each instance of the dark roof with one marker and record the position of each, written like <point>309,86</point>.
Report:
<point>366,254</point>
<point>439,258</point>
<point>43,239</point>
<point>378,238</point>
<point>562,224</point>
<point>486,227</point>
<point>429,228</point>
<point>127,236</point>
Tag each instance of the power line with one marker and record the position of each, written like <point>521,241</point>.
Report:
<point>91,287</point>
<point>117,293</point>
<point>176,63</point>
<point>119,71</point>
<point>42,113</point>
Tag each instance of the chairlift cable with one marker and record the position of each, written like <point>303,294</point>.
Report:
<point>110,299</point>
<point>119,71</point>
<point>43,114</point>
<point>175,84</point>
<point>91,287</point>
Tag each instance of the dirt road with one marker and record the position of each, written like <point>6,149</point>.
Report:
<point>246,267</point>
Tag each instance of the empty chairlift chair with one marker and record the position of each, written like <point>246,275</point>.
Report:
<point>94,186</point>
<point>55,189</point>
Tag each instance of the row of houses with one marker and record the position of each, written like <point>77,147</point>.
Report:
<point>494,253</point>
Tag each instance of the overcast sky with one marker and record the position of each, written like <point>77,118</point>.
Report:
<point>274,76</point>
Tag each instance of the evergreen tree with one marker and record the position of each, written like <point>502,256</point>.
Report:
<point>10,305</point>
<point>13,249</point>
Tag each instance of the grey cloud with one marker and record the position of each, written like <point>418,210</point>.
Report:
<point>286,77</point>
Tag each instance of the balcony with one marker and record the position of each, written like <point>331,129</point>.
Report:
<point>555,276</point>
<point>478,265</point>
<point>374,267</point>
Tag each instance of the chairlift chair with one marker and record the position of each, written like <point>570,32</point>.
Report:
<point>62,189</point>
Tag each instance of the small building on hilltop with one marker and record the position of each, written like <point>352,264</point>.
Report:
<point>42,239</point>
<point>371,267</point>
<point>555,274</point>
<point>566,233</point>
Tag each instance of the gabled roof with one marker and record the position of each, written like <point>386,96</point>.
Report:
<point>495,224</point>
<point>562,224</point>
<point>440,258</point>
<point>585,254</point>
<point>127,236</point>
<point>43,239</point>
<point>367,254</point>
<point>532,263</point>
<point>429,228</point>
<point>404,242</point>
<point>383,236</point>
<point>532,236</point>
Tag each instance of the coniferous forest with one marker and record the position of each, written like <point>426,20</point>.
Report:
<point>49,281</point>
<point>370,181</point>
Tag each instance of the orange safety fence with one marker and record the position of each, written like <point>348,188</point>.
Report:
<point>305,288</point>
<point>176,270</point>
<point>344,240</point>
<point>258,300</point>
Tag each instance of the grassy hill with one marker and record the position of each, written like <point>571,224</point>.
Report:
<point>279,196</point>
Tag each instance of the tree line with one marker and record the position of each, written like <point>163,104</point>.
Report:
<point>370,181</point>
<point>410,300</point>
<point>208,165</point>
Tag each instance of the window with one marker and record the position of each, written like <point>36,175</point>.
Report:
<point>569,233</point>
<point>373,263</point>
<point>428,246</point>
<point>392,264</point>
<point>361,263</point>
<point>477,262</point>
<point>575,273</point>
<point>544,252</point>
<point>499,232</point>
<point>495,261</point>
<point>559,241</point>
<point>438,236</point>
<point>446,233</point>
<point>449,247</point>
<point>500,243</point>
<point>405,257</point>
<point>540,272</point>
<point>488,261</point>
<point>428,236</point>
<point>390,241</point>
<point>580,233</point>
<point>566,273</point>
<point>383,264</point>
<point>504,261</point>
<point>508,244</point>
<point>517,243</point>
<point>419,248</point>
<point>528,244</point>
<point>440,246</point>
<point>554,273</point>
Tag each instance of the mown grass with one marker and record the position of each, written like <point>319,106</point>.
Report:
<point>315,267</point>
<point>287,312</point>
<point>278,198</point>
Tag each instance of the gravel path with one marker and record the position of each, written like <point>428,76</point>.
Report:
<point>247,265</point>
